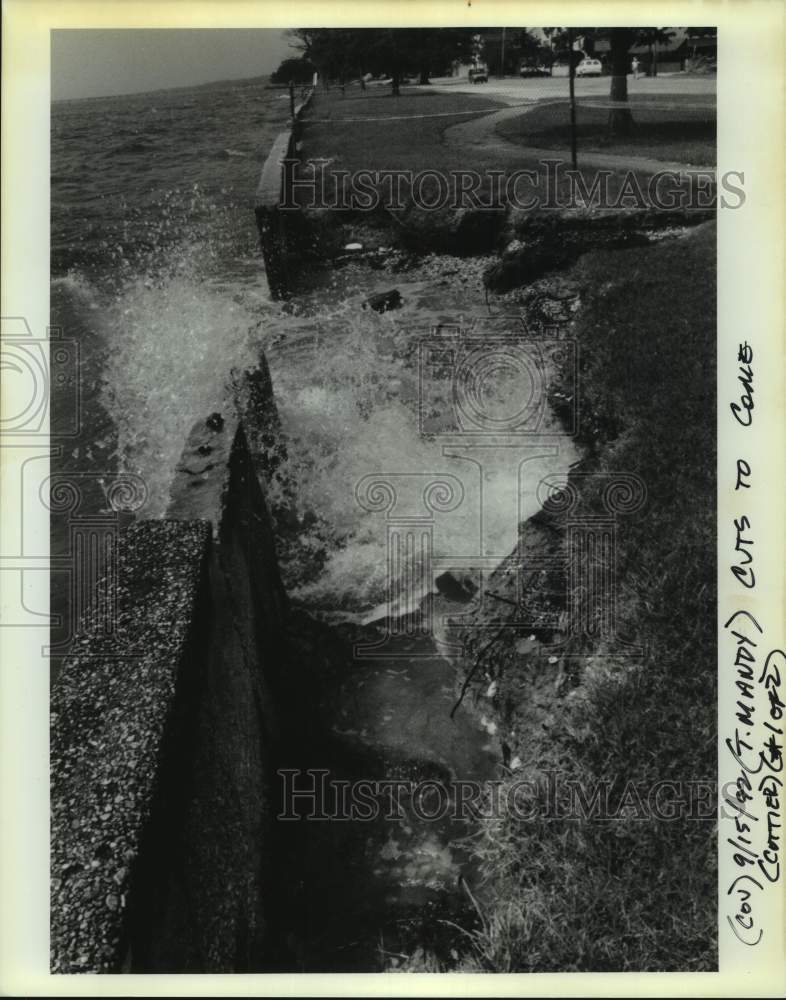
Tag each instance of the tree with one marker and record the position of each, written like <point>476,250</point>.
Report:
<point>521,47</point>
<point>431,51</point>
<point>341,53</point>
<point>621,41</point>
<point>620,119</point>
<point>531,49</point>
<point>299,70</point>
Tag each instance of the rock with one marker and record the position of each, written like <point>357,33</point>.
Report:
<point>523,266</point>
<point>354,246</point>
<point>460,232</point>
<point>461,591</point>
<point>215,422</point>
<point>478,231</point>
<point>384,301</point>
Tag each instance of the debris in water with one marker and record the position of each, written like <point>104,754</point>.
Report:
<point>390,851</point>
<point>490,727</point>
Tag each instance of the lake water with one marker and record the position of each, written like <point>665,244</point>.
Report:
<point>155,265</point>
<point>156,275</point>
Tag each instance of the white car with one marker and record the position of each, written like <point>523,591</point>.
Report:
<point>589,67</point>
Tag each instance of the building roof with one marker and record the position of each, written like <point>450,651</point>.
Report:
<point>700,38</point>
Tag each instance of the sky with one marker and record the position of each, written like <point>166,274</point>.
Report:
<point>97,63</point>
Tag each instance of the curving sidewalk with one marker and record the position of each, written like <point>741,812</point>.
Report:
<point>481,132</point>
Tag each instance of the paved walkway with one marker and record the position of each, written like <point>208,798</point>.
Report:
<point>513,90</point>
<point>481,131</point>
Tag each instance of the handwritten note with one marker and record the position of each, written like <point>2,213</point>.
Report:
<point>753,800</point>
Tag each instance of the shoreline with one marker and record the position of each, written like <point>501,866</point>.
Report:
<point>537,688</point>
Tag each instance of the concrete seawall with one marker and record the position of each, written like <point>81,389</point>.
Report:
<point>164,735</point>
<point>275,224</point>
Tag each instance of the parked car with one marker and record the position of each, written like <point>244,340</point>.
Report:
<point>479,74</point>
<point>589,67</point>
<point>529,70</point>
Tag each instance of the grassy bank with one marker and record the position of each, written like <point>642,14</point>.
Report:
<point>633,892</point>
<point>569,890</point>
<point>378,132</point>
<point>675,127</point>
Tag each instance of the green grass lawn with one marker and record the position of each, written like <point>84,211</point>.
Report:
<point>397,140</point>
<point>406,133</point>
<point>675,127</point>
<point>635,894</point>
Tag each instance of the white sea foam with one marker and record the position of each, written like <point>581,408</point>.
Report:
<point>347,390</point>
<point>174,343</point>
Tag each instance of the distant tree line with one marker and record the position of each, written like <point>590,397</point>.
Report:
<point>298,70</point>
<point>344,54</point>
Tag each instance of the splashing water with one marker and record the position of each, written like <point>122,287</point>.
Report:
<point>175,343</point>
<point>155,262</point>
<point>347,387</point>
<point>161,283</point>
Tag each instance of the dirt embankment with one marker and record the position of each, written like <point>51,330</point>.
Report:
<point>594,694</point>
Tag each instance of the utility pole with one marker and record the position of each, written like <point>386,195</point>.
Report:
<point>502,56</point>
<point>571,79</point>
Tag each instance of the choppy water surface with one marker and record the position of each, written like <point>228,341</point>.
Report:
<point>154,260</point>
